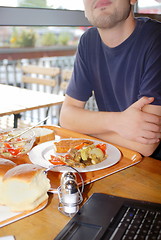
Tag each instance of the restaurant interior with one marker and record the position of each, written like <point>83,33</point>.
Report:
<point>42,197</point>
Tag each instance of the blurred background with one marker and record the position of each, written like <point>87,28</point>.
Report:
<point>48,45</point>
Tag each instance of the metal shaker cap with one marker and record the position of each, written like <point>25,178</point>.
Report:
<point>71,187</point>
<point>67,176</point>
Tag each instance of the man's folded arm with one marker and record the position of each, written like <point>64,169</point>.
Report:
<point>137,128</point>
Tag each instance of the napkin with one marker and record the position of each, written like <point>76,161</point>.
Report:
<point>6,213</point>
<point>7,238</point>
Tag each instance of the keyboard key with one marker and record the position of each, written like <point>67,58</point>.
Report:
<point>153,237</point>
<point>124,225</point>
<point>118,233</point>
<point>140,237</point>
<point>138,224</point>
<point>128,237</point>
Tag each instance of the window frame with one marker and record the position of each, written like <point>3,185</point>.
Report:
<point>18,16</point>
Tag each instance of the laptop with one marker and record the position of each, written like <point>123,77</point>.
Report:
<point>107,217</point>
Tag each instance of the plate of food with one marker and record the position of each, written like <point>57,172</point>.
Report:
<point>84,155</point>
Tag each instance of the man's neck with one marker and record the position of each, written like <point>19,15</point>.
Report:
<point>113,37</point>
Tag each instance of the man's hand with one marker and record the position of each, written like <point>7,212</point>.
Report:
<point>138,125</point>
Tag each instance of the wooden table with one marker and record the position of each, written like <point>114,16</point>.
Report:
<point>141,181</point>
<point>15,100</point>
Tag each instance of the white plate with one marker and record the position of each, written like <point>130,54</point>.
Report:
<point>41,153</point>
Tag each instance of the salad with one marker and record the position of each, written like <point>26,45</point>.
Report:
<point>14,147</point>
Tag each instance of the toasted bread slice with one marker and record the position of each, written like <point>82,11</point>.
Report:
<point>43,135</point>
<point>64,145</point>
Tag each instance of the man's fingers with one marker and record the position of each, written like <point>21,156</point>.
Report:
<point>144,140</point>
<point>151,135</point>
<point>142,102</point>
<point>152,127</point>
<point>152,118</point>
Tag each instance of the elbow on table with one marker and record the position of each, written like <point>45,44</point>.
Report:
<point>148,150</point>
<point>64,123</point>
<point>62,118</point>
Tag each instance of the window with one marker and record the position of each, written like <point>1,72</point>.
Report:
<point>39,33</point>
<point>41,28</point>
<point>150,6</point>
<point>55,4</point>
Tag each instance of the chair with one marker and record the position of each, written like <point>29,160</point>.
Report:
<point>47,76</point>
<point>41,78</point>
<point>65,76</point>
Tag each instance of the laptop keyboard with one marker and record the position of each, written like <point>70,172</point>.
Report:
<point>107,217</point>
<point>137,224</point>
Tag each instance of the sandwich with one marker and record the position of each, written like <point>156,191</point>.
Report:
<point>25,187</point>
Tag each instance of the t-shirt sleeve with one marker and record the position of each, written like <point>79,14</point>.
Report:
<point>151,80</point>
<point>79,86</point>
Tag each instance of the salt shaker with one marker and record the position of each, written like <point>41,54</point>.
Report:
<point>67,176</point>
<point>69,195</point>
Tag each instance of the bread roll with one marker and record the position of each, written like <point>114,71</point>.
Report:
<point>5,165</point>
<point>43,134</point>
<point>25,187</point>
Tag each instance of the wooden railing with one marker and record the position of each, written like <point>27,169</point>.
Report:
<point>36,52</point>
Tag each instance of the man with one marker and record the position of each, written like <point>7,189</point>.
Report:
<point>120,61</point>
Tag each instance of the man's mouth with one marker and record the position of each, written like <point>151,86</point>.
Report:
<point>102,3</point>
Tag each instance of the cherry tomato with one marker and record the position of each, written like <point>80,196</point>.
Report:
<point>14,151</point>
<point>18,139</point>
<point>81,146</point>
<point>102,146</point>
<point>56,160</point>
<point>67,156</point>
<point>7,145</point>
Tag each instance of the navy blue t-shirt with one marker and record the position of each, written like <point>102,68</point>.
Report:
<point>121,75</point>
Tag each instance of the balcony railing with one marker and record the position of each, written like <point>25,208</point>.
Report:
<point>11,74</point>
<point>36,52</point>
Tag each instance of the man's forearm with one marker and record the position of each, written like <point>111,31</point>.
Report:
<point>132,124</point>
<point>114,138</point>
<point>96,124</point>
<point>85,121</point>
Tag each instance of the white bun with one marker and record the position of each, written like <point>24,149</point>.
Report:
<point>5,165</point>
<point>43,134</point>
<point>25,187</point>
